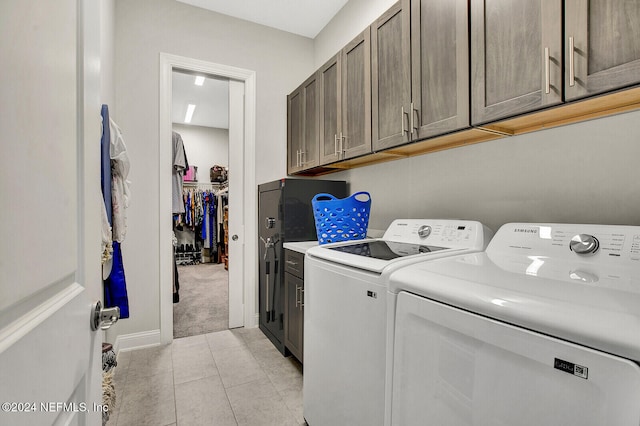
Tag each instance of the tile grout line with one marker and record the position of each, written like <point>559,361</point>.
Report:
<point>235,417</point>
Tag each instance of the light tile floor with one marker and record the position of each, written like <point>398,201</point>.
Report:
<point>231,377</point>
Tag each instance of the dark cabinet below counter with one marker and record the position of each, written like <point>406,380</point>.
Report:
<point>294,302</point>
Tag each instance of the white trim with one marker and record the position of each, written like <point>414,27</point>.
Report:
<point>145,339</point>
<point>167,63</point>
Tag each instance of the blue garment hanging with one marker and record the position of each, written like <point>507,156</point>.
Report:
<point>115,288</point>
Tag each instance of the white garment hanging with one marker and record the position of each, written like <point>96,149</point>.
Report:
<point>120,186</point>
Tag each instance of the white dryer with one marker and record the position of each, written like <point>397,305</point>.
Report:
<point>541,329</point>
<point>345,314</point>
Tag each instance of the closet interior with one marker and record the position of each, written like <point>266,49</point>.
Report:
<point>200,189</point>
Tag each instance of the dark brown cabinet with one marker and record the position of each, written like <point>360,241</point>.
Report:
<point>345,102</point>
<point>303,127</point>
<point>391,78</point>
<point>294,303</point>
<point>429,75</point>
<point>602,41</point>
<point>420,77</point>
<point>516,57</point>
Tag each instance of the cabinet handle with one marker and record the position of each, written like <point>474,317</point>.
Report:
<point>547,82</point>
<point>342,139</point>
<point>298,296</point>
<point>335,145</point>
<point>413,111</point>
<point>572,70</point>
<point>291,262</point>
<point>303,158</point>
<point>402,115</point>
<point>301,298</point>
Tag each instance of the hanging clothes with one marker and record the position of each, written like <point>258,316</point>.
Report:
<point>209,221</point>
<point>115,289</point>
<point>115,286</point>
<point>120,186</point>
<point>179,166</point>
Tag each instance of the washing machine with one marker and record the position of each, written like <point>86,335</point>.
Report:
<point>345,287</point>
<point>543,328</point>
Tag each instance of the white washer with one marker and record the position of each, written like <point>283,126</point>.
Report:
<point>345,314</point>
<point>541,329</point>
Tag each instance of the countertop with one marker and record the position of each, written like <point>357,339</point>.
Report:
<point>300,246</point>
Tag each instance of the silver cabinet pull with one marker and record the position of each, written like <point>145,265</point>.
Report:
<point>342,148</point>
<point>335,145</point>
<point>303,158</point>
<point>572,70</point>
<point>301,298</point>
<point>298,296</point>
<point>292,263</point>
<point>413,127</point>
<point>402,115</point>
<point>547,82</point>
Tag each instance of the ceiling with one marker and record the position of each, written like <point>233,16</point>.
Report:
<point>211,100</point>
<point>303,17</point>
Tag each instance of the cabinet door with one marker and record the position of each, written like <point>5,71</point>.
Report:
<point>309,149</point>
<point>390,77</point>
<point>295,129</point>
<point>329,88</point>
<point>439,66</point>
<point>356,96</point>
<point>603,46</point>
<point>293,322</point>
<point>512,73</point>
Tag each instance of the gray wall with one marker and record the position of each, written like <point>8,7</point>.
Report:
<point>582,173</point>
<point>144,28</point>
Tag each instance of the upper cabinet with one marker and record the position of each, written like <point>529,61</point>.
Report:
<point>302,126</point>
<point>429,75</point>
<point>420,77</point>
<point>329,77</point>
<point>602,45</point>
<point>440,65</point>
<point>516,57</point>
<point>345,102</point>
<point>391,78</point>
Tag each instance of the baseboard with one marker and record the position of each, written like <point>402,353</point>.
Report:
<point>145,339</point>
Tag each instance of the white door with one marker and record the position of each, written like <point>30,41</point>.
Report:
<point>457,368</point>
<point>49,357</point>
<point>236,203</point>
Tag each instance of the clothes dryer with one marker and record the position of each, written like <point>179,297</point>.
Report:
<point>541,329</point>
<point>345,314</point>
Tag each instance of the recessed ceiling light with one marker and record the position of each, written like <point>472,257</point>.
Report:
<point>190,109</point>
<point>199,80</point>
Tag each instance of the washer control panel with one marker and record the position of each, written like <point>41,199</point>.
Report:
<point>443,233</point>
<point>597,243</point>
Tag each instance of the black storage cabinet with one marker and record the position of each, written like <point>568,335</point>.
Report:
<point>284,215</point>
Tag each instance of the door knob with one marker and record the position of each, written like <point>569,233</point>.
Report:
<point>234,237</point>
<point>103,318</point>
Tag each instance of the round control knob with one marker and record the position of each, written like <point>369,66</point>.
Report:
<point>424,231</point>
<point>584,244</point>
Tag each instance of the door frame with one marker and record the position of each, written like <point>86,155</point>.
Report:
<point>168,63</point>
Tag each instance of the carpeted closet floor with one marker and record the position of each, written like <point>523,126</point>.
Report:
<point>204,300</point>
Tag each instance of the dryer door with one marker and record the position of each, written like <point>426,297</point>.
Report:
<point>452,367</point>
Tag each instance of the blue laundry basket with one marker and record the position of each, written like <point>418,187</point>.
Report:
<point>341,219</point>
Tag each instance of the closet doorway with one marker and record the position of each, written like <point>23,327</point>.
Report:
<point>200,125</point>
<point>242,190</point>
